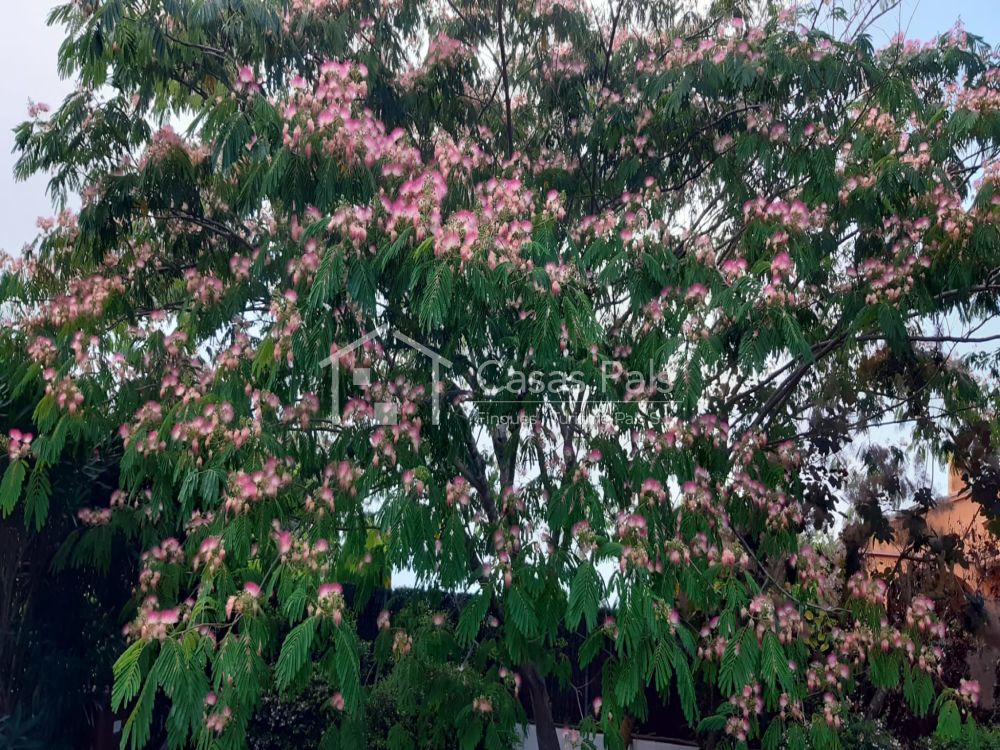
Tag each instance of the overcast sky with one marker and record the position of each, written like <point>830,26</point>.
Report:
<point>28,50</point>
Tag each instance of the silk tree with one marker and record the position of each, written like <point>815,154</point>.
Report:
<point>676,262</point>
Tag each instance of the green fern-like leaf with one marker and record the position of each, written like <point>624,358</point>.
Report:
<point>128,675</point>
<point>949,724</point>
<point>584,597</point>
<point>10,487</point>
<point>773,662</point>
<point>471,619</point>
<point>295,652</point>
<point>136,730</point>
<point>348,670</point>
<point>685,685</point>
<point>522,612</point>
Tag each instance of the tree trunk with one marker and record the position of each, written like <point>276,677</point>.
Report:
<point>541,707</point>
<point>10,562</point>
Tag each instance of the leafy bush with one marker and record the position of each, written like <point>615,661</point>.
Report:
<point>973,738</point>
<point>18,732</point>
<point>296,722</point>
<point>860,733</point>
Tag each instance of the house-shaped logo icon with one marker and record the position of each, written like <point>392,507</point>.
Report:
<point>385,413</point>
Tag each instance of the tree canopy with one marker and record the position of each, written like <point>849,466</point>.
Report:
<point>675,262</point>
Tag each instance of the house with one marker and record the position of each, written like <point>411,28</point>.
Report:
<point>956,513</point>
<point>978,576</point>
